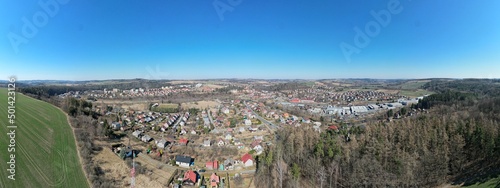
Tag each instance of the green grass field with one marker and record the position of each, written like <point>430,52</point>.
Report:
<point>168,105</point>
<point>490,183</point>
<point>166,108</point>
<point>45,152</point>
<point>415,93</point>
<point>412,85</point>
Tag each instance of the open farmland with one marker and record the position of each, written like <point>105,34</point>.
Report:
<point>46,154</point>
<point>166,108</point>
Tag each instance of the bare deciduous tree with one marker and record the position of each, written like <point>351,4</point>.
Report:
<point>321,176</point>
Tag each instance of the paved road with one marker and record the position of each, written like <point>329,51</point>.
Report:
<point>209,112</point>
<point>274,126</point>
<point>174,127</point>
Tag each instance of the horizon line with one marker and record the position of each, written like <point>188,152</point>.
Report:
<point>367,78</point>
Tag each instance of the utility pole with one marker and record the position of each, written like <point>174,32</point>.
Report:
<point>132,171</point>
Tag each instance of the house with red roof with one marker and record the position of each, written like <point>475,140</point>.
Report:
<point>334,128</point>
<point>190,177</point>
<point>247,160</point>
<point>214,180</point>
<point>183,141</point>
<point>210,165</point>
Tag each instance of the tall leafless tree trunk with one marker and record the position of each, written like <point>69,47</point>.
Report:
<point>334,173</point>
<point>321,175</point>
<point>280,166</point>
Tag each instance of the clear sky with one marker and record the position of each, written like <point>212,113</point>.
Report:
<point>193,39</point>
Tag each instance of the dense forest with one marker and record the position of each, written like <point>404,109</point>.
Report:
<point>284,86</point>
<point>457,142</point>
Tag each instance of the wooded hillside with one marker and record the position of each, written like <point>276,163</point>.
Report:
<point>458,141</point>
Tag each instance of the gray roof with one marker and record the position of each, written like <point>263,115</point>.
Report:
<point>183,159</point>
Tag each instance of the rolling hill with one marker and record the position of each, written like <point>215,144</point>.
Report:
<point>45,151</point>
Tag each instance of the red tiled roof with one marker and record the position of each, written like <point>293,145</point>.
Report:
<point>190,175</point>
<point>255,143</point>
<point>214,179</point>
<point>246,157</point>
<point>183,141</point>
<point>209,165</point>
<point>333,127</point>
<point>212,164</point>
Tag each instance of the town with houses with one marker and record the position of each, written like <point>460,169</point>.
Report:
<point>216,139</point>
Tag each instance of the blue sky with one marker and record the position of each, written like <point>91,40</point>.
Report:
<point>187,39</point>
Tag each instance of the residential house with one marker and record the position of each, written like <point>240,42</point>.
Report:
<point>228,136</point>
<point>253,128</point>
<point>206,122</point>
<point>229,164</point>
<point>162,143</point>
<point>206,143</point>
<point>225,110</point>
<point>183,161</point>
<point>241,129</point>
<point>214,180</point>
<point>146,138</point>
<point>190,178</point>
<point>334,128</point>
<point>306,120</point>
<point>264,111</point>
<point>247,160</point>
<point>315,110</point>
<point>248,122</point>
<point>183,141</point>
<point>137,133</point>
<point>257,147</point>
<point>221,142</point>
<point>148,119</point>
<point>115,125</point>
<point>259,138</point>
<point>236,142</point>
<point>212,165</point>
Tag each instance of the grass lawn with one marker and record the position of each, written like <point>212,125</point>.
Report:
<point>416,93</point>
<point>45,149</point>
<point>411,85</point>
<point>490,183</point>
<point>168,105</point>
